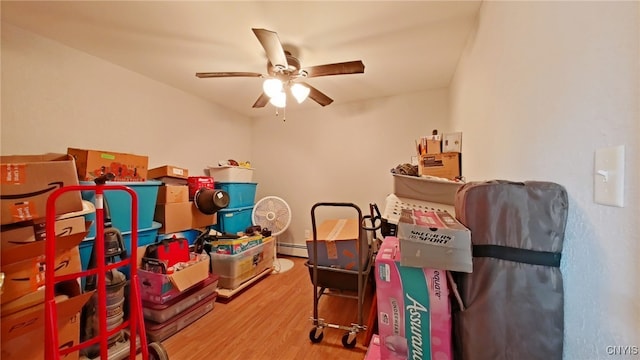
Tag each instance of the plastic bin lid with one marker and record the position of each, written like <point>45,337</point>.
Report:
<point>236,209</point>
<point>87,208</point>
<point>127,183</point>
<point>154,226</point>
<point>228,167</point>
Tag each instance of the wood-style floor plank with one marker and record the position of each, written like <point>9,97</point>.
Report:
<point>271,320</point>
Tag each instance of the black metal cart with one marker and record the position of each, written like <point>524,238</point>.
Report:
<point>340,282</point>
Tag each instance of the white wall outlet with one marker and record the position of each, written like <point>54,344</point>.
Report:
<point>608,177</point>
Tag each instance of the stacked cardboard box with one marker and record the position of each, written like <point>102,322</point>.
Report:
<point>174,210</point>
<point>29,181</point>
<point>442,157</point>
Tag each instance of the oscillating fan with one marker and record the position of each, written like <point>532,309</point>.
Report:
<point>273,213</point>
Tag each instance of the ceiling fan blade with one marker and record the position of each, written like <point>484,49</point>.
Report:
<point>227,74</point>
<point>317,95</point>
<point>262,101</point>
<point>272,46</point>
<point>349,67</point>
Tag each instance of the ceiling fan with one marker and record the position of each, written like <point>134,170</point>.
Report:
<point>285,74</point>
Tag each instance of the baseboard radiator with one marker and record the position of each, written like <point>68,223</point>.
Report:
<point>292,249</point>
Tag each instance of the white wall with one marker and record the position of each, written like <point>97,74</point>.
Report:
<point>340,153</point>
<point>540,87</point>
<point>55,97</point>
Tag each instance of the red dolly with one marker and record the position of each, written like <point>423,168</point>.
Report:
<point>135,323</point>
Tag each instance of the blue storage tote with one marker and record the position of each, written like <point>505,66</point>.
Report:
<point>145,237</point>
<point>234,220</point>
<point>120,204</point>
<point>240,194</point>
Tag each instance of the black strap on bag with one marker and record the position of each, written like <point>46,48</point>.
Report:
<point>531,257</point>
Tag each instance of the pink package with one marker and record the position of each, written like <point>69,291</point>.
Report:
<point>412,303</point>
<point>373,351</point>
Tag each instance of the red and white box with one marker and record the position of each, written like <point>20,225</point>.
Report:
<point>197,182</point>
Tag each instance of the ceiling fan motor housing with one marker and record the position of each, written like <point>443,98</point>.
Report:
<point>292,71</point>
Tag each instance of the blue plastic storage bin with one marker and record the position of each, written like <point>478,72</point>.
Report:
<point>234,220</point>
<point>240,194</point>
<point>145,237</point>
<point>120,204</point>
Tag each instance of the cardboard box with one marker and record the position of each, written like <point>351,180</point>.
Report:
<point>200,220</point>
<point>24,265</point>
<point>444,165</point>
<point>169,175</point>
<point>434,146</point>
<point>160,288</point>
<point>93,163</point>
<point>338,243</point>
<point>414,312</point>
<point>27,181</point>
<point>176,217</point>
<point>434,239</point>
<point>168,194</point>
<point>35,230</point>
<point>23,330</point>
<point>452,142</point>
<point>169,171</point>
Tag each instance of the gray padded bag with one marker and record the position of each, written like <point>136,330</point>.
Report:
<point>513,300</point>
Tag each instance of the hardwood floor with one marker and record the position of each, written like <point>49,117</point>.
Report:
<point>271,320</point>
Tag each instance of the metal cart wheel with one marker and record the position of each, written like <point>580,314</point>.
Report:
<point>316,335</point>
<point>157,351</point>
<point>349,340</point>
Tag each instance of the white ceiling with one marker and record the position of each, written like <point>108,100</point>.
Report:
<point>406,46</point>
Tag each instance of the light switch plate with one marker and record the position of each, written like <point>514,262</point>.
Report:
<point>608,176</point>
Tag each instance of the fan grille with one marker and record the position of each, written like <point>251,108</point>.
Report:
<point>272,213</point>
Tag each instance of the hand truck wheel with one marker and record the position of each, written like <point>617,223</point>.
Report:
<point>157,351</point>
<point>316,334</point>
<point>349,340</point>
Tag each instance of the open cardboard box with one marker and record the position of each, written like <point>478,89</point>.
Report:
<point>23,265</point>
<point>23,330</point>
<point>91,164</point>
<point>35,230</point>
<point>338,242</point>
<point>28,180</point>
<point>160,288</point>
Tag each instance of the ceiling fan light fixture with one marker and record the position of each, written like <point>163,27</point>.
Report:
<point>272,87</point>
<point>279,100</point>
<point>300,92</point>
